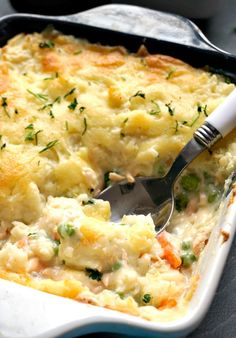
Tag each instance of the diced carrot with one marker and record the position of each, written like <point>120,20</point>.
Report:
<point>167,303</point>
<point>170,253</point>
<point>22,243</point>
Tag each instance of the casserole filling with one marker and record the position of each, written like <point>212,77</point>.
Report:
<point>75,117</point>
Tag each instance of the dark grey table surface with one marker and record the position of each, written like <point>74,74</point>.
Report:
<point>220,322</point>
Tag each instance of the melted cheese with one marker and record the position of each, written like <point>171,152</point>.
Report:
<point>70,113</point>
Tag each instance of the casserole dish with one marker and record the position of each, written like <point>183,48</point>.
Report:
<point>133,42</point>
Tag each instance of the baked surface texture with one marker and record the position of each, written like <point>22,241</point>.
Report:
<point>76,116</point>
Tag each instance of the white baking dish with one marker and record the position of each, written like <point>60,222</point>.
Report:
<point>28,313</point>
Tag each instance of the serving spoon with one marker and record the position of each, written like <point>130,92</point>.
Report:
<point>155,196</point>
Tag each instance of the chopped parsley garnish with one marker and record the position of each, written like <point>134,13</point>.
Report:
<point>66,230</point>
<point>146,298</point>
<point>89,201</point>
<point>48,105</point>
<point>116,266</point>
<point>171,110</point>
<point>47,44</point>
<point>36,136</point>
<point>4,105</point>
<point>81,109</point>
<point>30,126</point>
<point>54,76</point>
<point>31,135</point>
<point>139,93</point>
<point>195,119</point>
<point>126,120</point>
<point>170,73</point>
<point>33,234</point>
<point>57,99</point>
<point>3,146</point>
<point>202,109</point>
<point>190,182</point>
<point>16,111</point>
<point>176,126</point>
<point>122,134</point>
<point>94,274</point>
<point>51,114</point>
<point>70,92</point>
<point>49,146</point>
<point>156,110</point>
<point>39,96</point>
<point>85,126</point>
<point>73,104</point>
<point>121,295</point>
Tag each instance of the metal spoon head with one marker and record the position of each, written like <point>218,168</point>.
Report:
<point>144,196</point>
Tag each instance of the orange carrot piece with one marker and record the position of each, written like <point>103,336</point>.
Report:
<point>167,303</point>
<point>169,251</point>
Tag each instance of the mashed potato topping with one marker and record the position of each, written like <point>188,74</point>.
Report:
<point>75,117</point>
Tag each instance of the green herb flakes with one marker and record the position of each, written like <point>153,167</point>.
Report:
<point>46,44</point>
<point>70,92</point>
<point>202,109</point>
<point>3,146</point>
<point>170,73</point>
<point>146,298</point>
<point>51,114</point>
<point>52,77</point>
<point>49,146</point>
<point>116,266</point>
<point>138,94</point>
<point>171,110</point>
<point>66,230</point>
<point>73,104</point>
<point>30,126</point>
<point>156,110</point>
<point>4,104</point>
<point>94,274</point>
<point>85,126</point>
<point>39,96</point>
<point>89,201</point>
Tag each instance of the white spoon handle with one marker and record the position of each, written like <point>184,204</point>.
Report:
<point>224,117</point>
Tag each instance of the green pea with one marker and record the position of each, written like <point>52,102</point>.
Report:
<point>187,259</point>
<point>181,201</point>
<point>190,182</point>
<point>65,230</point>
<point>186,245</point>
